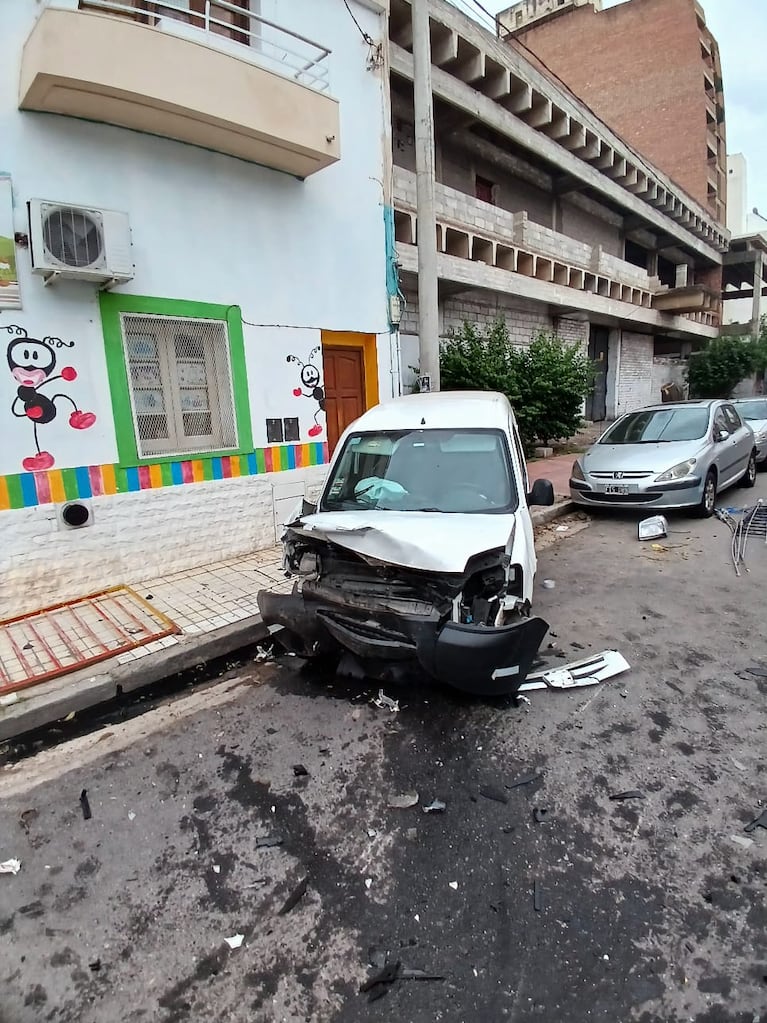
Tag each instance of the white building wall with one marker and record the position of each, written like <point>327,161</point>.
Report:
<point>297,257</point>
<point>635,375</point>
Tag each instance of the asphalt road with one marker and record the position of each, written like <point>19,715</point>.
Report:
<point>643,910</point>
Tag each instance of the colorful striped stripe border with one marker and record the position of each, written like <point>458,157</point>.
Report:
<point>28,489</point>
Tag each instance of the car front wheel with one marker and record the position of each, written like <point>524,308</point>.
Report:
<point>708,499</point>
<point>749,477</point>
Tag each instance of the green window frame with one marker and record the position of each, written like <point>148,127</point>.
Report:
<point>113,307</point>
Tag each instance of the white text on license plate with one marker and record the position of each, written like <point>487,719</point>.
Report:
<point>617,488</point>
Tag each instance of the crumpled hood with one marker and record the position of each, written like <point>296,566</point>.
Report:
<point>426,541</point>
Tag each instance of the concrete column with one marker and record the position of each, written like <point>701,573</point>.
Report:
<point>756,311</point>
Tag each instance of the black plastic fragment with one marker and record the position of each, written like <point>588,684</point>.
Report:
<point>524,780</point>
<point>491,792</point>
<point>95,966</point>
<point>630,794</point>
<point>300,771</point>
<point>295,896</point>
<point>540,814</point>
<point>377,985</point>
<point>758,822</point>
<point>86,806</point>
<point>268,842</point>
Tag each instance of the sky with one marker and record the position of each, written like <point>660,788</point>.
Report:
<point>740,28</point>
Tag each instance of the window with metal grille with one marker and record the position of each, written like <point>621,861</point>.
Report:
<point>180,379</point>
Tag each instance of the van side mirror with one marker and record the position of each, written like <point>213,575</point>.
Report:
<point>542,494</point>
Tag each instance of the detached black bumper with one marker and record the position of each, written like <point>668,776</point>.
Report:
<point>482,660</point>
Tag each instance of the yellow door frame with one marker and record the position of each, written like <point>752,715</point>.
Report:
<point>367,343</point>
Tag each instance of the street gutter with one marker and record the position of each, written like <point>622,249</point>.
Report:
<point>49,702</point>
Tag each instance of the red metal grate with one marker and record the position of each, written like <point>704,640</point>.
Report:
<point>56,640</point>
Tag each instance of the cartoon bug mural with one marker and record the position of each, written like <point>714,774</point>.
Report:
<point>310,379</point>
<point>32,362</point>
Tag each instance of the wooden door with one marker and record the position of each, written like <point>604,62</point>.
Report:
<point>344,370</point>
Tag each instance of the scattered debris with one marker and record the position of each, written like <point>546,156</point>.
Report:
<point>537,897</point>
<point>520,699</point>
<point>435,806</point>
<point>86,806</point>
<point>758,822</point>
<point>526,779</point>
<point>453,885</point>
<point>10,866</point>
<point>268,842</point>
<point>262,654</point>
<point>737,763</point>
<point>490,792</point>
<point>630,794</point>
<point>659,548</point>
<point>403,802</point>
<point>94,966</point>
<point>757,670</point>
<point>372,832</point>
<point>299,771</point>
<point>384,702</point>
<point>654,528</point>
<point>588,672</point>
<point>295,897</point>
<point>131,815</point>
<point>548,584</point>
<point>8,699</point>
<point>26,817</point>
<point>70,716</point>
<point>746,843</point>
<point>562,529</point>
<point>368,883</point>
<point>540,814</point>
<point>752,523</point>
<point>235,941</point>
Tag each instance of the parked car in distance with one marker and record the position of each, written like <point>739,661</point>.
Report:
<point>677,455</point>
<point>754,411</point>
<point>419,556</point>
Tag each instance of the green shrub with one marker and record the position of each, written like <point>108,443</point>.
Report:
<point>545,382</point>
<point>717,369</point>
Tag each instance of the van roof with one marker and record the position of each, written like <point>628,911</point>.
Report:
<point>438,410</point>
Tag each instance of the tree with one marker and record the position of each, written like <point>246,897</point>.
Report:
<point>545,382</point>
<point>716,370</point>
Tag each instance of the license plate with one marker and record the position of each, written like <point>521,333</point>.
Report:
<point>617,488</point>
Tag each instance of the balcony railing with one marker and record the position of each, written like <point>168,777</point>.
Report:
<point>221,24</point>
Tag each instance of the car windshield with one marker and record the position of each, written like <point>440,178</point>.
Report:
<point>753,409</point>
<point>461,471</point>
<point>658,426</point>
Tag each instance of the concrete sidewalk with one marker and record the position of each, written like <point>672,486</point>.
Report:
<point>215,609</point>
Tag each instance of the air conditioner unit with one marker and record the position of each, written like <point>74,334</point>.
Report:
<point>78,243</point>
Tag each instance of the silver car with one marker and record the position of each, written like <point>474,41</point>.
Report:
<point>754,411</point>
<point>678,455</point>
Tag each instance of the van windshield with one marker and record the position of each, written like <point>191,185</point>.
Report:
<point>459,471</point>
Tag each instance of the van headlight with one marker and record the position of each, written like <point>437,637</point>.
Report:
<point>677,472</point>
<point>576,473</point>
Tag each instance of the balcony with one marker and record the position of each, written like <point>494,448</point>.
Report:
<point>557,266</point>
<point>207,78</point>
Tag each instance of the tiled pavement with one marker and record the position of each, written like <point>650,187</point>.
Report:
<point>208,598</point>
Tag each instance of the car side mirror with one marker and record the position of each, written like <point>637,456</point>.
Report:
<point>542,494</point>
<point>721,436</point>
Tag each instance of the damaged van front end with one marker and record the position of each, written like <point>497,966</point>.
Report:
<point>469,629</point>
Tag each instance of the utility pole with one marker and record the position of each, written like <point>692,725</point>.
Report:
<point>428,303</point>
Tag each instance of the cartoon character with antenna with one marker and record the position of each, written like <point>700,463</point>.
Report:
<point>310,379</point>
<point>31,363</point>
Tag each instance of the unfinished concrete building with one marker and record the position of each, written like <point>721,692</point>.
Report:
<point>547,217</point>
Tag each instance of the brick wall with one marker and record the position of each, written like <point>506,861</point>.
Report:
<point>573,332</point>
<point>639,67</point>
<point>635,374</point>
<point>136,536</point>
<point>523,320</point>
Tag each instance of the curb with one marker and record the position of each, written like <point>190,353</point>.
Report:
<point>543,515</point>
<point>49,702</point>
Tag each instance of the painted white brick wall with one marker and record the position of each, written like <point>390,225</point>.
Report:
<point>573,332</point>
<point>136,537</point>
<point>635,377</point>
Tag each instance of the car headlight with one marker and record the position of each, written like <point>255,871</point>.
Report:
<point>676,472</point>
<point>761,436</point>
<point>576,473</point>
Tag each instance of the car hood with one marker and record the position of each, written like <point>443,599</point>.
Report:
<point>653,458</point>
<point>757,425</point>
<point>426,541</point>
